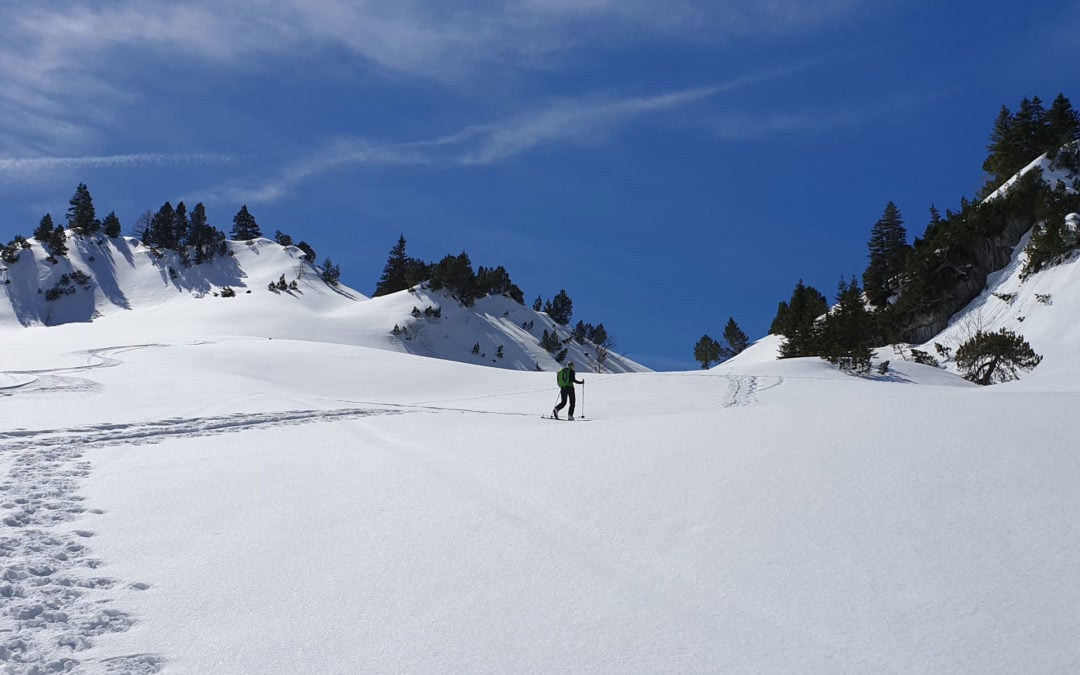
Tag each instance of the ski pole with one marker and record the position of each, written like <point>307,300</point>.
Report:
<point>583,399</point>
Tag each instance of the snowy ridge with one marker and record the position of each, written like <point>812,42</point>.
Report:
<point>153,293</point>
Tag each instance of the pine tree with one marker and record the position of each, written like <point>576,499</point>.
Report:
<point>309,253</point>
<point>395,273</point>
<point>847,332</point>
<point>1002,150</point>
<point>995,357</point>
<point>736,339</point>
<point>161,232</point>
<point>331,273</point>
<point>560,308</point>
<point>58,242</point>
<point>707,351</point>
<point>80,215</point>
<point>800,329</point>
<point>538,304</point>
<point>1063,124</point>
<point>244,226</point>
<point>456,273</point>
<point>111,225</point>
<point>282,239</point>
<point>780,320</point>
<point>181,229</point>
<point>44,230</point>
<point>888,256</point>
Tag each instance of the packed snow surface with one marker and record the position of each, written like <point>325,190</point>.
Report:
<point>197,487</point>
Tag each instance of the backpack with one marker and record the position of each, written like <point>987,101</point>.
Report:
<point>564,378</point>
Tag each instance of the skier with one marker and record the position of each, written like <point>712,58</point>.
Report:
<point>566,379</point>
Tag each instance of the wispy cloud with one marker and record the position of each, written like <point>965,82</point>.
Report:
<point>563,122</point>
<point>22,167</point>
<point>59,52</point>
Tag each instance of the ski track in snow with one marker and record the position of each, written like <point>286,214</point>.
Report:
<point>743,389</point>
<point>53,601</point>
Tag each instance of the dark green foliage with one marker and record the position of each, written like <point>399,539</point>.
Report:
<point>10,252</point>
<point>952,246</point>
<point>456,274</point>
<point>282,239</point>
<point>80,215</point>
<point>309,253</point>
<point>707,351</point>
<point>497,282</point>
<point>244,226</point>
<point>206,240</point>
<point>888,253</point>
<point>53,238</point>
<point>799,328</point>
<point>44,230</point>
<point>550,341</point>
<point>1050,240</point>
<point>228,292</point>
<point>181,227</point>
<point>846,333</point>
<point>780,320</point>
<point>395,273</point>
<point>538,304</point>
<point>736,339</point>
<point>331,273</point>
<point>598,335</point>
<point>995,357</point>
<point>924,358</point>
<point>111,225</point>
<point>161,232</point>
<point>560,308</point>
<point>1018,138</point>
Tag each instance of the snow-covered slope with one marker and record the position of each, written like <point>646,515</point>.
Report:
<point>1042,308</point>
<point>151,294</point>
<point>250,505</point>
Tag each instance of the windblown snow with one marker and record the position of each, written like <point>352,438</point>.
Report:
<point>275,483</point>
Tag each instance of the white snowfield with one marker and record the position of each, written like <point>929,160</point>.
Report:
<point>190,492</point>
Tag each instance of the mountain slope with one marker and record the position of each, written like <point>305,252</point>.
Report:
<point>153,294</point>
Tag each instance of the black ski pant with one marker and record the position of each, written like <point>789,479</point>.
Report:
<point>566,393</point>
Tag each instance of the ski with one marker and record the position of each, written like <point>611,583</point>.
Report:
<point>563,419</point>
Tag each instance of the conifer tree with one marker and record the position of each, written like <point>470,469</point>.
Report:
<point>111,225</point>
<point>995,357</point>
<point>181,226</point>
<point>206,239</point>
<point>780,320</point>
<point>847,331</point>
<point>331,273</point>
<point>244,226</point>
<point>44,230</point>
<point>736,339</point>
<point>282,239</point>
<point>707,351</point>
<point>80,215</point>
<point>162,232</point>
<point>1063,124</point>
<point>309,253</point>
<point>800,325</point>
<point>888,256</point>
<point>560,308</point>
<point>395,273</point>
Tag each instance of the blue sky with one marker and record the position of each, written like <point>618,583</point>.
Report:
<point>670,163</point>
